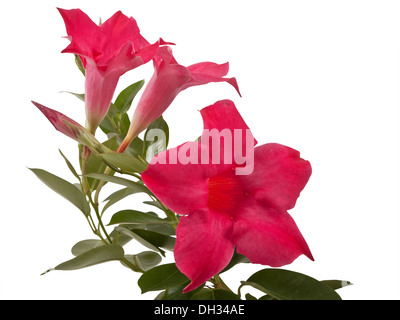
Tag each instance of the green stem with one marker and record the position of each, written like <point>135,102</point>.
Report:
<point>219,284</point>
<point>84,155</point>
<point>96,210</point>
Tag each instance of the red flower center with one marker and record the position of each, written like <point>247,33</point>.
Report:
<point>224,193</point>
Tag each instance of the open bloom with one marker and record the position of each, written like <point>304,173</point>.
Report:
<point>107,52</point>
<point>168,80</point>
<point>221,210</point>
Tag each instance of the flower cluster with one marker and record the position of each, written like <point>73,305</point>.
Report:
<point>225,199</point>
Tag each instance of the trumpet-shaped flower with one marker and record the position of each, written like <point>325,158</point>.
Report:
<point>107,51</point>
<point>168,80</point>
<point>221,210</point>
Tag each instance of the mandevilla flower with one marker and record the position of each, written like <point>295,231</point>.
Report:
<point>221,210</point>
<point>107,52</point>
<point>168,80</point>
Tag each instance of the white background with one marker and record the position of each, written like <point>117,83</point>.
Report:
<point>320,76</point>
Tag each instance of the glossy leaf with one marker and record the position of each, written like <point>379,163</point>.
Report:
<point>65,189</point>
<point>162,277</point>
<point>93,256</point>
<point>125,98</point>
<point>134,217</point>
<point>236,259</point>
<point>250,297</point>
<point>165,228</point>
<point>337,284</point>
<point>175,293</point>
<point>156,139</point>
<point>157,239</point>
<point>288,285</point>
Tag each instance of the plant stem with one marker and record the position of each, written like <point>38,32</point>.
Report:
<point>96,210</point>
<point>219,284</point>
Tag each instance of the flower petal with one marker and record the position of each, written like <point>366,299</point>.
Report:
<point>223,120</point>
<point>267,236</point>
<point>159,93</point>
<point>177,180</point>
<point>82,31</point>
<point>115,33</point>
<point>203,245</point>
<point>279,176</point>
<point>206,72</point>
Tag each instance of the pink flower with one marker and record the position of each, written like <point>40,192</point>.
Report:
<point>73,130</point>
<point>221,210</point>
<point>61,122</point>
<point>107,52</point>
<point>168,80</point>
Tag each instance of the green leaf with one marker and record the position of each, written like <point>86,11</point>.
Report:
<point>85,245</point>
<point>125,98</point>
<point>135,186</point>
<point>135,217</point>
<point>65,189</point>
<point>165,228</point>
<point>288,285</point>
<point>162,277</point>
<point>157,239</point>
<point>79,64</point>
<point>117,196</point>
<point>119,238</point>
<point>80,96</point>
<point>267,297</point>
<point>126,162</point>
<point>175,293</point>
<point>138,238</point>
<point>236,259</point>
<point>70,166</point>
<point>250,297</point>
<point>154,204</point>
<point>145,260</point>
<point>92,257</point>
<point>214,294</point>
<point>96,165</point>
<point>337,284</point>
<point>156,139</point>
